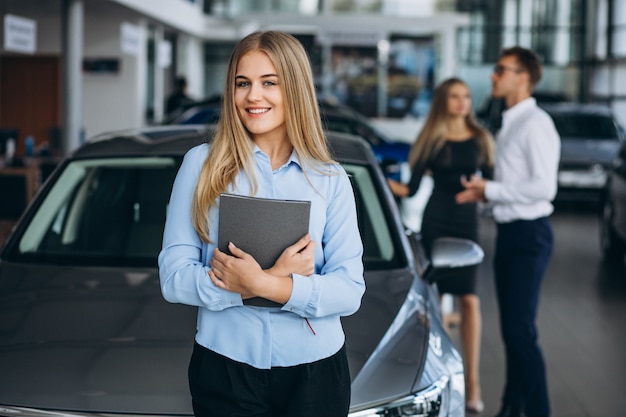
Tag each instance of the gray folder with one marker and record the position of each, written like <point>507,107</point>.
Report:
<point>262,227</point>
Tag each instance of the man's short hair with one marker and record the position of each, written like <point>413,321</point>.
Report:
<point>528,60</point>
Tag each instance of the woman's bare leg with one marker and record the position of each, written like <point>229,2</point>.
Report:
<point>471,327</point>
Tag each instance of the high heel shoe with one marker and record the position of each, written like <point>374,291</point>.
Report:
<point>474,406</point>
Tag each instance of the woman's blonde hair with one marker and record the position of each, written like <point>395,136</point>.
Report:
<point>433,135</point>
<point>232,148</point>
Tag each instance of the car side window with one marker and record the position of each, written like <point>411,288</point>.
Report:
<point>585,126</point>
<point>379,247</point>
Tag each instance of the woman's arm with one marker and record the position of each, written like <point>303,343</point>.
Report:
<point>239,272</point>
<point>408,190</point>
<point>184,277</point>
<point>339,286</point>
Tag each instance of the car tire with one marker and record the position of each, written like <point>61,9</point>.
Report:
<point>613,248</point>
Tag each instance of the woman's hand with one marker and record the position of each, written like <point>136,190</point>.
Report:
<point>298,258</point>
<point>397,188</point>
<point>239,272</point>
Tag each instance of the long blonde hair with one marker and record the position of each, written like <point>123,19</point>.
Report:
<point>232,147</point>
<point>433,135</point>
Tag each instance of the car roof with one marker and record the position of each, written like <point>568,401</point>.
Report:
<point>151,133</point>
<point>177,140</point>
<point>577,108</point>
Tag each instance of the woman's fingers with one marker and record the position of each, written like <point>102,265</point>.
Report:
<point>309,249</point>
<point>300,244</point>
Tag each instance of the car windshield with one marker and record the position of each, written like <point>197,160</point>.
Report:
<point>111,212</point>
<point>106,211</point>
<point>585,126</point>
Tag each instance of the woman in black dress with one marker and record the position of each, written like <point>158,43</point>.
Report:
<point>452,145</point>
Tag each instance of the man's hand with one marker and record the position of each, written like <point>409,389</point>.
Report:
<point>474,190</point>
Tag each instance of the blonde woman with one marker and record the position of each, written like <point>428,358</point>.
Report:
<point>266,361</point>
<point>452,146</point>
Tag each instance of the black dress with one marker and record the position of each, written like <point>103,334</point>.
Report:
<point>442,215</point>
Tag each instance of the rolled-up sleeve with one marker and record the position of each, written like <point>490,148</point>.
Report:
<point>339,286</point>
<point>182,272</point>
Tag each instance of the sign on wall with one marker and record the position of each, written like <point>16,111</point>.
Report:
<point>20,34</point>
<point>130,38</point>
<point>165,54</point>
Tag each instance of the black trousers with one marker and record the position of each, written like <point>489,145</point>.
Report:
<point>523,251</point>
<point>223,387</point>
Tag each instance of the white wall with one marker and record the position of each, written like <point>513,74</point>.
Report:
<point>111,101</point>
<point>192,54</point>
<point>48,35</point>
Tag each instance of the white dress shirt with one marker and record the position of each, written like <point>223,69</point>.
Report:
<point>528,149</point>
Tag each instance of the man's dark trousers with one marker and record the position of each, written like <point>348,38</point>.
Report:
<point>523,250</point>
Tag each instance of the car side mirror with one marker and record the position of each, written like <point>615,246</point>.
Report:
<point>451,252</point>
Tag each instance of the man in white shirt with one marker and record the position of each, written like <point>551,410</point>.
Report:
<point>525,183</point>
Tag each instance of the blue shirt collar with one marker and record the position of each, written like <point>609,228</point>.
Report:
<point>259,154</point>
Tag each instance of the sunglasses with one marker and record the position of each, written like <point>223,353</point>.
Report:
<point>499,69</point>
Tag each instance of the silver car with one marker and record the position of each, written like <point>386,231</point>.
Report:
<point>590,138</point>
<point>613,214</point>
<point>84,329</point>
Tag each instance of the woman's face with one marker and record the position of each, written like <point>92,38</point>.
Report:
<point>459,100</point>
<point>258,97</point>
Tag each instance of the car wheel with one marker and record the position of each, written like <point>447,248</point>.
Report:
<point>613,248</point>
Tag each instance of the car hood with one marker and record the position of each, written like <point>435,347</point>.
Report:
<point>97,339</point>
<point>588,151</point>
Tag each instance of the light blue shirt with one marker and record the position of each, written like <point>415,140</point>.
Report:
<point>528,148</point>
<point>276,336</point>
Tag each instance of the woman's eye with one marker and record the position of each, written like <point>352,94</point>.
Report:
<point>241,84</point>
<point>269,83</point>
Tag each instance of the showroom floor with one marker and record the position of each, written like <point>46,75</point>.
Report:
<point>581,321</point>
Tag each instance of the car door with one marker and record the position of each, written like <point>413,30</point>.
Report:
<point>618,190</point>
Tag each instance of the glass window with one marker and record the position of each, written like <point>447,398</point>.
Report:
<point>111,212</point>
<point>379,245</point>
<point>618,42</point>
<point>585,126</point>
<point>553,29</point>
<point>102,212</point>
<point>601,29</point>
